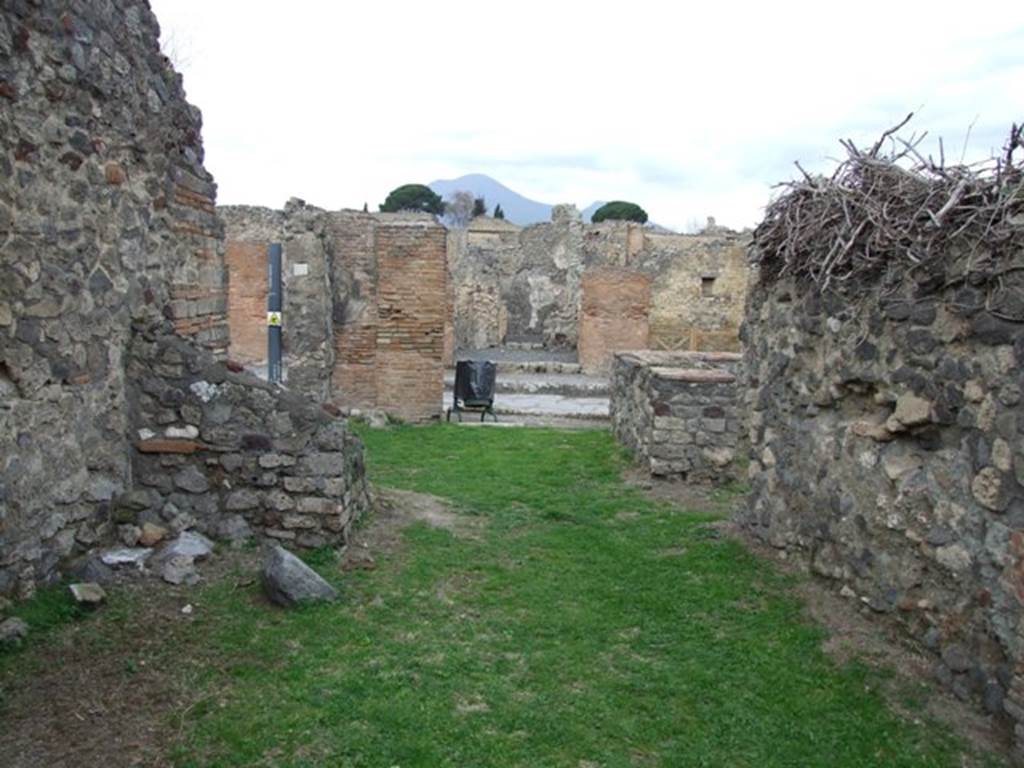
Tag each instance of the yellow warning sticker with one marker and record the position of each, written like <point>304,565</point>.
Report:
<point>274,319</point>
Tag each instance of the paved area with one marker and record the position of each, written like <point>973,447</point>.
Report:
<point>506,355</point>
<point>546,405</point>
<point>570,384</point>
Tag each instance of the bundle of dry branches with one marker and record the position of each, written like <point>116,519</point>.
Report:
<point>888,211</point>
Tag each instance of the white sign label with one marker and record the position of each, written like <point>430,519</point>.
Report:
<point>300,270</point>
<point>274,319</point>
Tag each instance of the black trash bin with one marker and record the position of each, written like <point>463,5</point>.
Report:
<point>474,388</point>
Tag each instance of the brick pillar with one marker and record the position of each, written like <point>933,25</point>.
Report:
<point>616,309</point>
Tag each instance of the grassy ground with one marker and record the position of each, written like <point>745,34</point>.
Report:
<point>577,624</point>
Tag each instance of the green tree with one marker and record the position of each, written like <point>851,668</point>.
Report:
<point>413,197</point>
<point>498,213</point>
<point>479,207</point>
<point>620,210</point>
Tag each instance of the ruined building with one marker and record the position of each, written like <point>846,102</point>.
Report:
<point>597,288</point>
<point>374,301</point>
<point>116,404</point>
<point>885,369</point>
<point>364,303</point>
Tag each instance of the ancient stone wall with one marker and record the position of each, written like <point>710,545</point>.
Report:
<point>365,303</point>
<point>679,413</point>
<point>105,219</point>
<point>481,260</point>
<point>222,451</point>
<point>513,284</point>
<point>699,289</point>
<point>888,454</point>
<point>616,305</point>
<point>108,233</point>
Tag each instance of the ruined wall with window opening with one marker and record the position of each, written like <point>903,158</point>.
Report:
<point>513,284</point>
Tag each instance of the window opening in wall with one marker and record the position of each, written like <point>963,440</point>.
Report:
<point>707,286</point>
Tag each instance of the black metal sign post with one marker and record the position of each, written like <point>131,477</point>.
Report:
<point>274,316</point>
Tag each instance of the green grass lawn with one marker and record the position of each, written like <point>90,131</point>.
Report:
<point>581,625</point>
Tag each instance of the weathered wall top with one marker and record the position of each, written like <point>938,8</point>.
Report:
<point>111,257</point>
<point>885,363</point>
<point>527,281</point>
<point>364,302</point>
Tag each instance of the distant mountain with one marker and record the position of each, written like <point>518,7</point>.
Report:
<point>588,212</point>
<point>518,209</point>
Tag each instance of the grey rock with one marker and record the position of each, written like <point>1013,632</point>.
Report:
<point>12,630</point>
<point>234,529</point>
<point>994,697</point>
<point>289,582</point>
<point>90,594</point>
<point>187,544</point>
<point>956,658</point>
<point>126,556</point>
<point>376,419</point>
<point>192,480</point>
<point>242,499</point>
<point>129,534</point>
<point>179,569</point>
<point>91,569</point>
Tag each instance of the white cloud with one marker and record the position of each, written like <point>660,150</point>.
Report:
<point>689,111</point>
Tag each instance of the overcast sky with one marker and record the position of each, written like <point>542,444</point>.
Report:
<point>689,111</point>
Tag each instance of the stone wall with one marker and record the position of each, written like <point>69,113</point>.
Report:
<point>679,413</point>
<point>699,289</point>
<point>107,231</point>
<point>221,451</point>
<point>616,305</point>
<point>525,284</point>
<point>888,454</point>
<point>365,302</point>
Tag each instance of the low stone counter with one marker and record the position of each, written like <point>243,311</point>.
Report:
<point>677,412</point>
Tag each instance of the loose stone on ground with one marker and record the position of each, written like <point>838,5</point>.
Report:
<point>289,582</point>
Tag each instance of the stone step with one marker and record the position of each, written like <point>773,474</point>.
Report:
<point>513,360</point>
<point>524,346</point>
<point>568,384</point>
<point>538,366</point>
<point>547,405</point>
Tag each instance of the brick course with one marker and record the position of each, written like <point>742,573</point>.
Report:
<point>383,304</point>
<point>616,304</point>
<point>247,300</point>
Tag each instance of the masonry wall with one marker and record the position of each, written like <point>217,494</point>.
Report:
<point>699,289</point>
<point>679,413</point>
<point>616,305</point>
<point>366,299</point>
<point>105,220</point>
<point>888,455</point>
<point>108,235</point>
<point>411,305</point>
<point>247,300</point>
<point>220,450</point>
<point>525,284</point>
<point>355,315</point>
